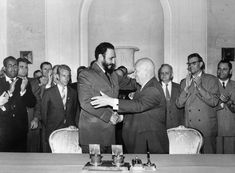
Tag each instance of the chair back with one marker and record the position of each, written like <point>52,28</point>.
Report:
<point>65,140</point>
<point>184,140</point>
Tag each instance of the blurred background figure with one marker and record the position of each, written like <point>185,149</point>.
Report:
<point>225,115</point>
<point>174,115</point>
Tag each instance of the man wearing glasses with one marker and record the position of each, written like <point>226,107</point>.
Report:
<point>200,96</point>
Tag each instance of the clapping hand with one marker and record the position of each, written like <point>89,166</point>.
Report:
<point>24,84</point>
<point>225,97</point>
<point>188,81</point>
<point>12,86</point>
<point>4,98</point>
<point>197,81</point>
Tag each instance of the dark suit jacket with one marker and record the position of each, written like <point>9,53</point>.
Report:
<point>94,126</point>
<point>14,121</point>
<point>200,109</point>
<point>145,113</point>
<point>226,118</point>
<point>53,114</point>
<point>175,115</point>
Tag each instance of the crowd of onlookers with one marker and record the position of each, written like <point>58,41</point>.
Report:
<point>110,107</point>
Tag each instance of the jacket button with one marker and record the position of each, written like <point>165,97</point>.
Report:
<point>189,110</point>
<point>198,109</point>
<point>199,120</point>
<point>190,120</point>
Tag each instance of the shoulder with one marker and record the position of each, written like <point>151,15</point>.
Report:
<point>176,85</point>
<point>209,76</point>
<point>73,91</point>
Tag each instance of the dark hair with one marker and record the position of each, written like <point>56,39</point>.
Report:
<point>230,66</point>
<point>163,65</point>
<point>79,69</point>
<point>64,67</point>
<point>199,59</point>
<point>22,60</point>
<point>45,63</point>
<point>102,48</point>
<point>9,58</point>
<point>123,69</point>
<point>36,71</point>
<point>55,66</point>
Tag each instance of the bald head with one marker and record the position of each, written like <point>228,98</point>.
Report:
<point>145,70</point>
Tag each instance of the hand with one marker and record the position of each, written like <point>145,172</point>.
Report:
<point>34,123</point>
<point>225,97</point>
<point>101,101</point>
<point>43,80</point>
<point>50,77</point>
<point>114,119</point>
<point>12,86</point>
<point>188,82</point>
<point>4,98</point>
<point>197,81</point>
<point>24,84</point>
<point>72,127</point>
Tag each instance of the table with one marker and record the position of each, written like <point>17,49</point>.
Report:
<point>73,163</point>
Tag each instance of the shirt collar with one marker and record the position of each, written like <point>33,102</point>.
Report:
<point>225,82</point>
<point>198,75</point>
<point>61,87</point>
<point>164,84</point>
<point>9,79</point>
<point>100,67</point>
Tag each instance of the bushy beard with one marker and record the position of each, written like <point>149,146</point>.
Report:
<point>107,69</point>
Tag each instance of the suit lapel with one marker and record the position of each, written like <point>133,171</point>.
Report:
<point>58,97</point>
<point>100,72</point>
<point>69,96</point>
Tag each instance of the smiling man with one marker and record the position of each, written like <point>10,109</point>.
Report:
<point>199,97</point>
<point>144,121</point>
<point>13,116</point>
<point>225,114</point>
<point>97,125</point>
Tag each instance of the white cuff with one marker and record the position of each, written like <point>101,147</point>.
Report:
<point>3,108</point>
<point>22,93</point>
<point>115,104</point>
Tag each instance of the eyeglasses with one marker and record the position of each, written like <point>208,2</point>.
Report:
<point>192,63</point>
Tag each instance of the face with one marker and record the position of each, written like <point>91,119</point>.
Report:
<point>223,71</point>
<point>54,74</point>
<point>45,69</point>
<point>109,61</point>
<point>139,75</point>
<point>23,69</point>
<point>64,77</point>
<point>38,74</point>
<point>165,74</point>
<point>11,68</point>
<point>194,66</point>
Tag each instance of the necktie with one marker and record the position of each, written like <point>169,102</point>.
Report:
<point>63,96</point>
<point>168,97</point>
<point>223,85</point>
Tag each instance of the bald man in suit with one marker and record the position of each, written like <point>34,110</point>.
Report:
<point>144,126</point>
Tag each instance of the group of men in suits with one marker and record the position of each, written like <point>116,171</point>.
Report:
<point>201,101</point>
